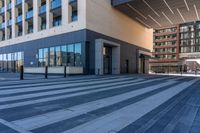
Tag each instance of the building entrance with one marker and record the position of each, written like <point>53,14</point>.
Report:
<point>107,60</point>
<point>143,62</point>
<point>191,66</point>
<point>107,57</point>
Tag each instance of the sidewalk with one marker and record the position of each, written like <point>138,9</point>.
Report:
<point>177,74</point>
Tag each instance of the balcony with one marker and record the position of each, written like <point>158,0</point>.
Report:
<point>74,16</point>
<point>18,2</point>
<point>9,22</point>
<point>2,10</point>
<point>19,19</point>
<point>9,6</point>
<point>42,9</point>
<point>29,14</point>
<point>55,4</point>
<point>71,2</point>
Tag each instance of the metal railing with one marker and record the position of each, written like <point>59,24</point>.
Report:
<point>18,2</point>
<point>42,9</point>
<point>55,4</point>
<point>19,19</point>
<point>29,14</point>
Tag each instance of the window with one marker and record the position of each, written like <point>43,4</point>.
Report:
<point>70,55</point>
<point>57,56</point>
<point>78,55</point>
<point>198,26</point>
<point>5,62</point>
<point>57,21</point>
<point>1,62</point>
<point>43,57</point>
<point>52,56</point>
<point>73,10</point>
<point>64,55</point>
<point>185,49</point>
<point>41,63</point>
<point>184,29</point>
<point>11,61</point>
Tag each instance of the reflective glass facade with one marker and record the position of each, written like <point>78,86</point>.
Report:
<point>11,61</point>
<point>64,55</point>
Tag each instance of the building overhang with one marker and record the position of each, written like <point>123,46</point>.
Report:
<point>159,13</point>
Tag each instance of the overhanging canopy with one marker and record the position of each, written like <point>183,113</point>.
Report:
<point>160,13</point>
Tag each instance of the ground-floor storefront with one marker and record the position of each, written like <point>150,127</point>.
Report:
<point>165,67</point>
<point>95,53</point>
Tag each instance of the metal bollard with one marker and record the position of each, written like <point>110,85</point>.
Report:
<point>21,72</point>
<point>46,72</point>
<point>65,71</point>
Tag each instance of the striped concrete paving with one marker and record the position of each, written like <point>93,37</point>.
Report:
<point>100,104</point>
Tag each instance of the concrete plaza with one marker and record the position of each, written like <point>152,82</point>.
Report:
<point>99,104</point>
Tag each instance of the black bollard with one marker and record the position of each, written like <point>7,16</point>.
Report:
<point>46,72</point>
<point>65,71</point>
<point>21,72</point>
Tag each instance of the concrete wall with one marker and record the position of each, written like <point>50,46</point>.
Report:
<point>54,70</point>
<point>128,52</point>
<point>103,18</point>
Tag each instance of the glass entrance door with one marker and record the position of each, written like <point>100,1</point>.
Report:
<point>142,64</point>
<point>107,60</point>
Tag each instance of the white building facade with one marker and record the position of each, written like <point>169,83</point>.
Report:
<point>89,34</point>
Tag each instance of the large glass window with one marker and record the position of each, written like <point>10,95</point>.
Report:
<point>40,63</point>
<point>52,56</point>
<point>64,55</point>
<point>4,62</point>
<point>58,56</point>
<point>78,61</point>
<point>1,60</point>
<point>70,55</point>
<point>11,61</point>
<point>46,56</point>
<point>73,10</point>
<point>20,60</point>
<point>43,57</point>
